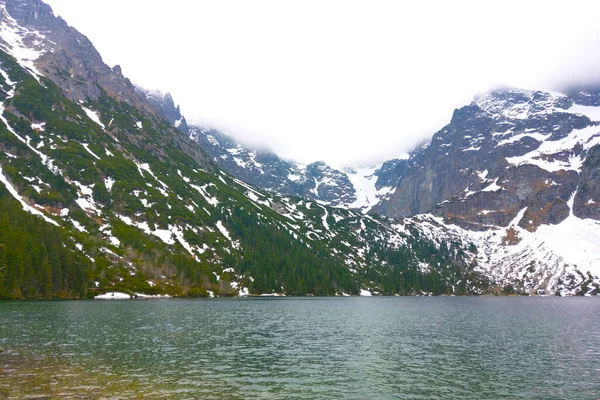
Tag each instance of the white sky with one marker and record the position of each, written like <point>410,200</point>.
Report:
<point>348,82</point>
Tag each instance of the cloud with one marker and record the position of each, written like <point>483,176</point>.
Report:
<point>341,81</point>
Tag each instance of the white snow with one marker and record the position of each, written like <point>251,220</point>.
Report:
<point>78,226</point>
<point>553,250</point>
<point>363,180</point>
<point>13,35</point>
<point>513,139</point>
<point>49,163</point>
<point>324,219</point>
<point>543,155</point>
<point>39,127</point>
<point>93,115</point>
<point>109,182</point>
<point>225,233</point>
<point>593,113</point>
<point>493,187</point>
<point>365,293</point>
<point>20,199</point>
<point>472,148</point>
<point>252,195</point>
<point>213,201</point>
<point>212,140</point>
<point>152,296</point>
<point>146,167</point>
<point>113,296</point>
<point>315,190</point>
<point>499,107</point>
<point>86,146</point>
<point>293,177</point>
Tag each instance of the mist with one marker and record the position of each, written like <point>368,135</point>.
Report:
<point>345,82</point>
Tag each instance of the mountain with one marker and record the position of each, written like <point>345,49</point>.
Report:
<point>163,103</point>
<point>513,172</point>
<point>101,193</point>
<point>517,172</point>
<point>354,188</point>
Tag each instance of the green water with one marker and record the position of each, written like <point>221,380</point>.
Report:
<point>302,348</point>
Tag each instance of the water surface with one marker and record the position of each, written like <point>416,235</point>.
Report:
<point>302,348</point>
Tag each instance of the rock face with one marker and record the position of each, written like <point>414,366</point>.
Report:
<point>354,188</point>
<point>48,47</point>
<point>67,57</point>
<point>164,104</point>
<point>508,150</point>
<point>266,170</point>
<point>513,172</point>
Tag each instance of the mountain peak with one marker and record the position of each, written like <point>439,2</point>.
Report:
<point>513,103</point>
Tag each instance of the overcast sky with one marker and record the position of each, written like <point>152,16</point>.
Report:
<point>348,82</point>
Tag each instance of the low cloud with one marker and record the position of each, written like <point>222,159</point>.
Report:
<point>344,82</point>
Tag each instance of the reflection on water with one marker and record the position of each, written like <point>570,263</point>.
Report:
<point>304,348</point>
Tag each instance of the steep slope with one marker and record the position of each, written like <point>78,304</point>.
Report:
<point>163,103</point>
<point>521,168</point>
<point>89,166</point>
<point>356,188</point>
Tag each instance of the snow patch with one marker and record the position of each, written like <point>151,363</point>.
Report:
<point>113,296</point>
<point>20,199</point>
<point>93,115</point>
<point>86,147</point>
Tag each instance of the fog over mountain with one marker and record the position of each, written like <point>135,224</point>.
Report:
<point>313,81</point>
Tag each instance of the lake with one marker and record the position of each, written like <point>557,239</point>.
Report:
<point>302,348</point>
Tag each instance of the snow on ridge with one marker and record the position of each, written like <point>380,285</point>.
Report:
<point>587,137</point>
<point>498,105</point>
<point>212,140</point>
<point>493,187</point>
<point>593,113</point>
<point>540,137</point>
<point>11,41</point>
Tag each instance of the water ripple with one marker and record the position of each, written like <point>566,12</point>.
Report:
<point>357,348</point>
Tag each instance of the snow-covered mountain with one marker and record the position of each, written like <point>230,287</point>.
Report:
<point>99,192</point>
<point>517,172</point>
<point>507,195</point>
<point>163,103</point>
<point>514,171</point>
<point>355,188</point>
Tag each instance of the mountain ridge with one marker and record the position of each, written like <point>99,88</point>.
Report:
<point>139,207</point>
